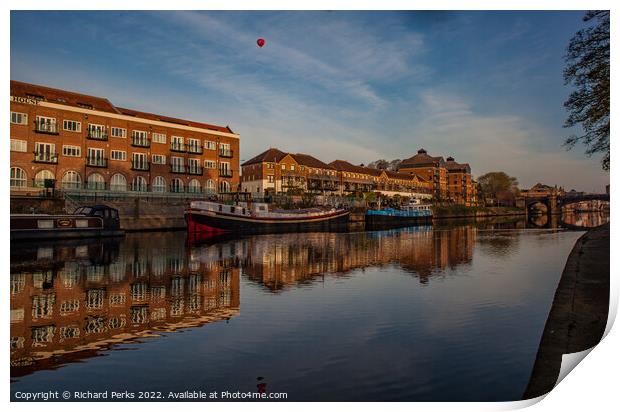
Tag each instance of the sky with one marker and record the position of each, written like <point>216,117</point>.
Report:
<point>483,87</point>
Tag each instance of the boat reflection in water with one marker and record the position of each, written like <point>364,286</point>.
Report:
<point>71,300</point>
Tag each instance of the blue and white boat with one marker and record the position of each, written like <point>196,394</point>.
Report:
<point>413,213</point>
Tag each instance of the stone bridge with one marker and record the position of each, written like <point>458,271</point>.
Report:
<point>555,202</point>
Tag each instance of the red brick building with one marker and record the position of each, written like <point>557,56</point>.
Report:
<point>85,143</point>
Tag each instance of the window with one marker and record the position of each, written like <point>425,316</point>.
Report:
<point>283,167</point>
<point>159,138</point>
<point>177,186</point>
<point>194,186</point>
<point>193,145</point>
<point>139,138</point>
<point>41,177</point>
<point>71,180</point>
<point>118,183</point>
<point>210,164</point>
<point>177,143</point>
<point>139,184</point>
<point>18,145</point>
<point>177,164</point>
<point>270,178</point>
<point>95,182</point>
<point>118,155</point>
<point>46,124</point>
<point>158,159</point>
<point>210,145</point>
<point>118,132</point>
<point>194,166</point>
<point>210,186</point>
<point>224,186</point>
<point>45,152</point>
<point>71,151</point>
<point>19,118</point>
<point>139,161</point>
<point>292,167</point>
<point>95,157</point>
<point>270,165</point>
<point>18,177</point>
<point>159,184</point>
<point>72,125</point>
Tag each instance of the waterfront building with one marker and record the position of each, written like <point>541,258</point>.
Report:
<point>275,171</point>
<point>430,168</point>
<point>460,184</point>
<point>81,143</point>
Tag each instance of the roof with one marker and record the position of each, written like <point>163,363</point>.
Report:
<point>269,155</point>
<point>74,99</point>
<point>421,159</point>
<point>344,166</point>
<point>453,166</point>
<point>310,161</point>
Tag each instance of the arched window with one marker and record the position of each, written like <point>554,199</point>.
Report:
<point>118,183</point>
<point>159,184</point>
<point>210,187</point>
<point>139,184</point>
<point>95,182</point>
<point>224,186</point>
<point>71,180</point>
<point>176,186</point>
<point>18,177</point>
<point>41,176</point>
<point>194,186</point>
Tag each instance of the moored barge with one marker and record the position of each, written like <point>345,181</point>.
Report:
<point>415,213</point>
<point>249,217</point>
<point>87,221</point>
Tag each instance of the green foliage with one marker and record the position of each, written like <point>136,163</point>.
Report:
<point>587,70</point>
<point>493,183</point>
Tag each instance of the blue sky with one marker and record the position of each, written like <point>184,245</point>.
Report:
<point>484,87</point>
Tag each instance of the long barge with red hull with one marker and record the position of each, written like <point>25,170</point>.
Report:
<point>244,217</point>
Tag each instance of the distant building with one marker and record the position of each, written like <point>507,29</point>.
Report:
<point>461,189</point>
<point>275,171</point>
<point>85,143</point>
<point>430,168</point>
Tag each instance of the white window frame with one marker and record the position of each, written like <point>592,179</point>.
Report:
<point>115,152</point>
<point>158,159</point>
<point>210,145</point>
<point>69,121</point>
<point>114,130</point>
<point>67,149</point>
<point>210,164</point>
<point>18,145</point>
<point>22,117</point>
<point>158,138</point>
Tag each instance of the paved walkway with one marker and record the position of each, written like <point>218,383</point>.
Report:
<point>578,315</point>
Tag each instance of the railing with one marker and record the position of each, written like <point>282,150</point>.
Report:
<point>226,173</point>
<point>226,153</point>
<point>97,134</point>
<point>194,170</point>
<point>140,165</point>
<point>140,142</point>
<point>177,147</point>
<point>139,187</point>
<point>44,157</point>
<point>96,162</point>
<point>194,149</point>
<point>95,186</point>
<point>49,128</point>
<point>177,168</point>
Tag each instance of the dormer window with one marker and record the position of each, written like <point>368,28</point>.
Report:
<point>85,105</point>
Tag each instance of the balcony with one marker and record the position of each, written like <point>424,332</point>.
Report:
<point>176,168</point>
<point>194,170</point>
<point>140,142</point>
<point>177,147</point>
<point>47,128</point>
<point>96,162</point>
<point>226,173</point>
<point>97,134</point>
<point>196,149</point>
<point>44,157</point>
<point>140,165</point>
<point>226,153</point>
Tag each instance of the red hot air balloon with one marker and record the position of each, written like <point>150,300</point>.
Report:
<point>260,42</point>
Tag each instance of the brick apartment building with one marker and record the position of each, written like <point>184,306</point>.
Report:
<point>84,143</point>
<point>275,171</point>
<point>451,181</point>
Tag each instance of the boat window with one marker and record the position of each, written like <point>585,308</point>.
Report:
<point>45,224</point>
<point>107,213</point>
<point>81,223</point>
<point>83,211</point>
<point>98,213</point>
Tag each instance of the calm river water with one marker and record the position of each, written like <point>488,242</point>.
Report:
<point>444,313</point>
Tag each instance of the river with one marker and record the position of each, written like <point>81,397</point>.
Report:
<point>453,312</point>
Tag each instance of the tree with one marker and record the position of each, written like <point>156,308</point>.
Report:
<point>587,69</point>
<point>494,183</point>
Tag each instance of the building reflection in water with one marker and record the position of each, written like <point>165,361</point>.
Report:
<point>281,261</point>
<point>71,300</point>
